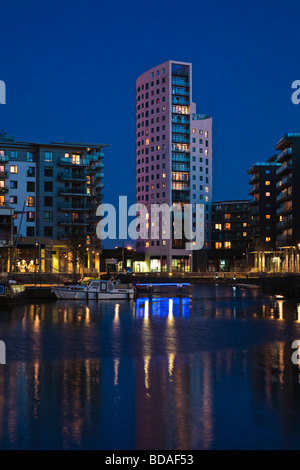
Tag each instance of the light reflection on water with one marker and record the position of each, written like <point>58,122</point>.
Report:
<point>210,371</point>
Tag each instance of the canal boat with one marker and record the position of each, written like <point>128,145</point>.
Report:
<point>12,293</point>
<point>100,289</point>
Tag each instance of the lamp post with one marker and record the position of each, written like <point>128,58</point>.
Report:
<point>35,263</point>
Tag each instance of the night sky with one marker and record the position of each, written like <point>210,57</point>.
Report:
<point>70,69</point>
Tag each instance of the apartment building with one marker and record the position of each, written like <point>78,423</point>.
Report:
<point>173,160</point>
<point>54,189</point>
<point>288,201</point>
<point>229,236</point>
<point>263,215</point>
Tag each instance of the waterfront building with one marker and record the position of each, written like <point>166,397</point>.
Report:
<point>263,215</point>
<point>288,201</point>
<point>229,236</point>
<point>54,189</point>
<point>173,160</point>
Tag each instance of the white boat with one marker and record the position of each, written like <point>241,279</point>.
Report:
<point>96,290</point>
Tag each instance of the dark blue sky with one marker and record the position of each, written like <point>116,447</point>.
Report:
<point>70,68</point>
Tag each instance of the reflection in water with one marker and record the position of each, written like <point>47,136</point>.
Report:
<point>210,371</point>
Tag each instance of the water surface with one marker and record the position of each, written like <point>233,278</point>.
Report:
<point>209,371</point>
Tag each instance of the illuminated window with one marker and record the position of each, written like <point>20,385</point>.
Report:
<point>48,156</point>
<point>268,239</point>
<point>227,245</point>
<point>227,226</point>
<point>206,134</point>
<point>147,141</point>
<point>30,201</point>
<point>280,218</point>
<point>218,226</point>
<point>218,245</point>
<point>76,159</point>
<point>206,189</point>
<point>268,216</point>
<point>164,175</point>
<point>245,224</point>
<point>194,131</point>
<point>244,234</point>
<point>227,216</point>
<point>206,198</point>
<point>268,194</point>
<point>147,244</point>
<point>164,242</point>
<point>268,183</point>
<point>67,155</point>
<point>14,169</point>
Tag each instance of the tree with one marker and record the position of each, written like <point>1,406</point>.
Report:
<point>77,246</point>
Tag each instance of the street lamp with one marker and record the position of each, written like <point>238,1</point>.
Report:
<point>35,255</point>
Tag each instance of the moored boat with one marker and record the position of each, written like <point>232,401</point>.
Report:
<point>12,293</point>
<point>96,290</point>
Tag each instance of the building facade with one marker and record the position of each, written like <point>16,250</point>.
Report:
<point>54,190</point>
<point>288,201</point>
<point>173,160</point>
<point>229,236</point>
<point>263,215</point>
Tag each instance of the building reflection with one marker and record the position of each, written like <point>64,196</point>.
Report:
<point>114,376</point>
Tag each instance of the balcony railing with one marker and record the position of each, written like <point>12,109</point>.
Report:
<point>180,101</point>
<point>180,129</point>
<point>285,181</point>
<point>72,192</point>
<point>69,162</point>
<point>180,139</point>
<point>64,206</point>
<point>285,223</point>
<point>284,196</point>
<point>180,81</point>
<point>283,168</point>
<point>71,221</point>
<point>176,119</point>
<point>71,177</point>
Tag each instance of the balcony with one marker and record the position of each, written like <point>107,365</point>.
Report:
<point>64,206</point>
<point>287,181</point>
<point>71,221</point>
<point>254,178</point>
<point>180,129</point>
<point>285,168</point>
<point>176,119</point>
<point>95,157</point>
<point>286,223</point>
<point>180,81</point>
<point>68,236</point>
<point>284,196</point>
<point>72,192</point>
<point>254,189</point>
<point>99,175</point>
<point>180,101</point>
<point>3,190</point>
<point>282,156</point>
<point>180,139</point>
<point>180,91</point>
<point>69,162</point>
<point>67,176</point>
<point>4,158</point>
